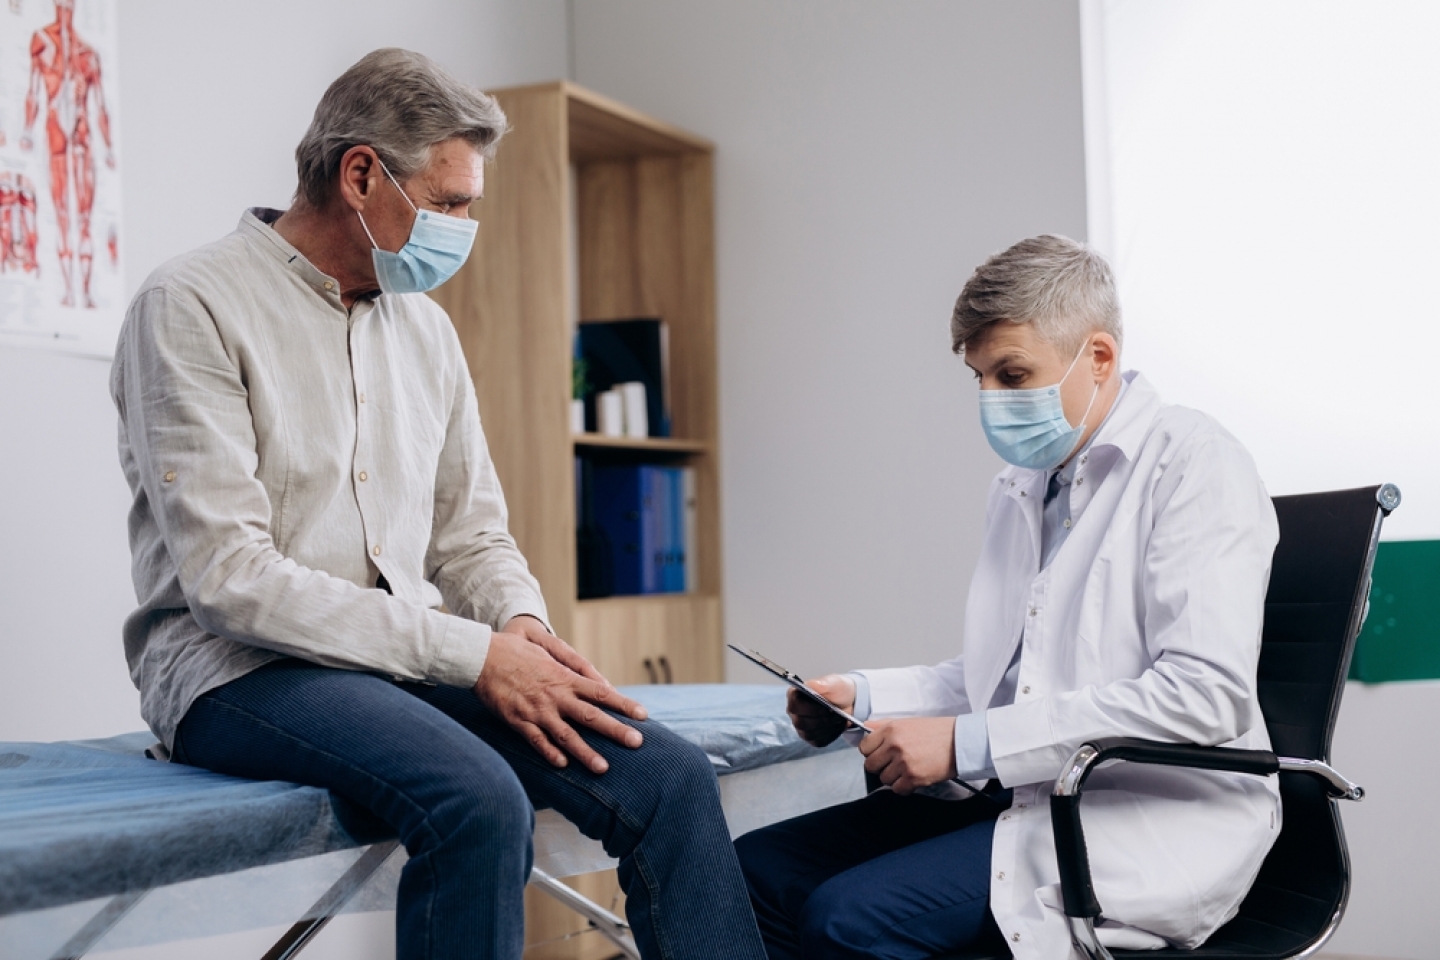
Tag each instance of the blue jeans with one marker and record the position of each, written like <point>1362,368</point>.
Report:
<point>884,877</point>
<point>460,786</point>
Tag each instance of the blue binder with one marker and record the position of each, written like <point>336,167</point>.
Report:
<point>631,506</point>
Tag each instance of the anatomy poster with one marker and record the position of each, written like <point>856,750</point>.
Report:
<point>61,286</point>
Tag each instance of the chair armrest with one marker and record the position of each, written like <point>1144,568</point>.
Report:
<point>1076,887</point>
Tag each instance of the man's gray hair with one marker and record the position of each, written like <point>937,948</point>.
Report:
<point>1063,287</point>
<point>400,103</point>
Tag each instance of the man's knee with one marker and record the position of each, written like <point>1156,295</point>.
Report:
<point>835,924</point>
<point>486,806</point>
<point>674,769</point>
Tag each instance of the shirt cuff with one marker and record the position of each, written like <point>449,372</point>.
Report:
<point>972,747</point>
<point>861,710</point>
<point>460,656</point>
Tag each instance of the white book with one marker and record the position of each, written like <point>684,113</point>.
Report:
<point>610,413</point>
<point>637,417</point>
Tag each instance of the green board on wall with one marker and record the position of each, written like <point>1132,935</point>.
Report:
<point>1401,637</point>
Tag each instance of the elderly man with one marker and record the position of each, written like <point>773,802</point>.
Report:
<point>328,592</point>
<point>1119,593</point>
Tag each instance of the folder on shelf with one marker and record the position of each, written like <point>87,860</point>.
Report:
<point>689,526</point>
<point>627,351</point>
<point>595,565</point>
<point>632,505</point>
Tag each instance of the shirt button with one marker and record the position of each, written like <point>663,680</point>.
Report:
<point>1032,611</point>
<point>1024,689</point>
<point>1084,458</point>
<point>362,398</point>
<point>364,476</point>
<point>1015,937</point>
<point>1079,481</point>
<point>169,476</point>
<point>375,551</point>
<point>1022,493</point>
<point>1067,523</point>
<point>329,285</point>
<point>1006,817</point>
<point>1000,875</point>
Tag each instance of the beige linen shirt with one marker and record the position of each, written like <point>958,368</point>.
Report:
<point>284,453</point>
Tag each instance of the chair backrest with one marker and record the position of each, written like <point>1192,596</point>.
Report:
<point>1319,588</point>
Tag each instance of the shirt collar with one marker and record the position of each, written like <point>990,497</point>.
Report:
<point>257,223</point>
<point>1125,428</point>
<point>1122,430</point>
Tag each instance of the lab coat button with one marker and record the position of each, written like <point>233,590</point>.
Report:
<point>1032,611</point>
<point>1024,689</point>
<point>1015,937</point>
<point>364,476</point>
<point>1067,523</point>
<point>1000,875</point>
<point>1079,481</point>
<point>329,285</point>
<point>169,476</point>
<point>375,550</point>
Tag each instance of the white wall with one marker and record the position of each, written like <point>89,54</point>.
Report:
<point>869,156</point>
<point>214,98</point>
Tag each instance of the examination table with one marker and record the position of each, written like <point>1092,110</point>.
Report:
<point>103,848</point>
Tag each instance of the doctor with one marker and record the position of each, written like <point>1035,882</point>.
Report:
<point>1119,592</point>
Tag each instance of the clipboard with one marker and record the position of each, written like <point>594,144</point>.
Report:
<point>794,680</point>
<point>765,663</point>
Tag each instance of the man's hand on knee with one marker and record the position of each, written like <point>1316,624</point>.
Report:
<point>541,697</point>
<point>536,632</point>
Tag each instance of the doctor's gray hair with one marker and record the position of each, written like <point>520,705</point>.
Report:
<point>400,103</point>
<point>1063,287</point>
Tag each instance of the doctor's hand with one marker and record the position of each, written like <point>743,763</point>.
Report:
<point>816,725</point>
<point>542,698</point>
<point>911,753</point>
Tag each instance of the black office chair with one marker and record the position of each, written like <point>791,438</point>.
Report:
<point>1314,609</point>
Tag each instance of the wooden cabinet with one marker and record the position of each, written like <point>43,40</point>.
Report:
<point>594,211</point>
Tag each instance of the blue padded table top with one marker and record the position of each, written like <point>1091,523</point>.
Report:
<point>93,818</point>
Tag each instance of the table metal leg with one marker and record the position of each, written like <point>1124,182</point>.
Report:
<point>333,901</point>
<point>611,927</point>
<point>102,923</point>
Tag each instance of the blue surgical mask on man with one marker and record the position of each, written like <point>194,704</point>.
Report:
<point>438,245</point>
<point>1028,427</point>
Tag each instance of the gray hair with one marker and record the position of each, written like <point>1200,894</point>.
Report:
<point>400,103</point>
<point>1063,287</point>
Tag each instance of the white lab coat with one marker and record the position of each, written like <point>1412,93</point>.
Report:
<point>1145,624</point>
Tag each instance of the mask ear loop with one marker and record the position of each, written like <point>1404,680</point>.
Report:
<point>1093,394</point>
<point>389,176</point>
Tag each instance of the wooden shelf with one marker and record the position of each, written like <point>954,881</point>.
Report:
<point>594,211</point>
<point>645,444</point>
<point>642,598</point>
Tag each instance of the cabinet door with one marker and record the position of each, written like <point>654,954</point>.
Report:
<point>669,639</point>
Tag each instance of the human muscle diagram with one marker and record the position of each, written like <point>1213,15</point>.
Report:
<point>59,175</point>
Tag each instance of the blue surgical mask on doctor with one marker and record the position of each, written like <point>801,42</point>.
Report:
<point>438,245</point>
<point>1028,427</point>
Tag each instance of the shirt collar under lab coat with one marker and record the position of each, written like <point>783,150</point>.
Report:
<point>1119,436</point>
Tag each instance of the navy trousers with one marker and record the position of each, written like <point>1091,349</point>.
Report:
<point>885,877</point>
<point>460,786</point>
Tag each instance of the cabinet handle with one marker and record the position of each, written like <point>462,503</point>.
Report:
<point>650,669</point>
<point>665,669</point>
